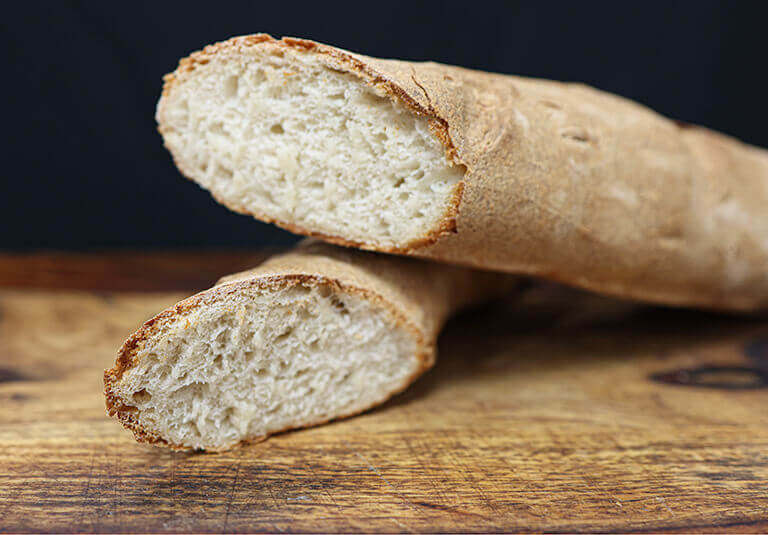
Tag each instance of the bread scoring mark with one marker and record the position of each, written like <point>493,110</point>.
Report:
<point>576,133</point>
<point>550,104</point>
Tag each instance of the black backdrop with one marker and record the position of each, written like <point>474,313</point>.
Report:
<point>85,168</point>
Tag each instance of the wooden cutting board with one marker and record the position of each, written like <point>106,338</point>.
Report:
<point>558,412</point>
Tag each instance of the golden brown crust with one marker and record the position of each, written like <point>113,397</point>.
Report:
<point>566,182</point>
<point>418,296</point>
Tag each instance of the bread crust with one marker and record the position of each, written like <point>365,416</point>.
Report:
<point>570,183</point>
<point>417,296</point>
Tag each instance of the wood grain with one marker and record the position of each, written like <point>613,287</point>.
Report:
<point>548,414</point>
<point>124,270</point>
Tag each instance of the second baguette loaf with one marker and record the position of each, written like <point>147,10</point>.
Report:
<point>319,333</point>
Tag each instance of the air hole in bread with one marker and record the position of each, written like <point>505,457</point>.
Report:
<point>141,397</point>
<point>230,86</point>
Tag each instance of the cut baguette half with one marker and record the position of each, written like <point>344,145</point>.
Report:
<point>493,171</point>
<point>316,334</point>
<point>274,132</point>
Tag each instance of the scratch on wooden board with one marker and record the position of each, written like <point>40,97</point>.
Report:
<point>401,525</point>
<point>275,503</point>
<point>595,485</point>
<point>324,489</point>
<point>231,491</point>
<point>394,489</point>
<point>662,501</point>
<point>469,477</point>
<point>171,490</point>
<point>348,518</point>
<point>439,495</point>
<point>390,485</point>
<point>96,491</point>
<point>381,476</point>
<point>86,493</point>
<point>116,484</point>
<point>454,509</point>
<point>473,484</point>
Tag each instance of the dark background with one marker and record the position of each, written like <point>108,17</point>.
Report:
<point>85,168</point>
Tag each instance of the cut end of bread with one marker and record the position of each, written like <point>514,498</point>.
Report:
<point>251,358</point>
<point>273,130</point>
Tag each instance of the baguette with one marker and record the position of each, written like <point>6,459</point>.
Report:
<point>493,171</point>
<point>316,334</point>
